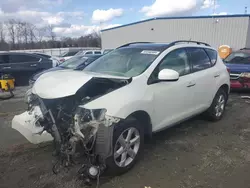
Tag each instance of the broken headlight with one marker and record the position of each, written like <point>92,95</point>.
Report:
<point>95,114</point>
<point>88,115</point>
<point>29,97</point>
<point>100,115</point>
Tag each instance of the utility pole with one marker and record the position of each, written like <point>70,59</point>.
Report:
<point>245,10</point>
<point>214,6</point>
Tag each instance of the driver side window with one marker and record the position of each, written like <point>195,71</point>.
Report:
<point>176,60</point>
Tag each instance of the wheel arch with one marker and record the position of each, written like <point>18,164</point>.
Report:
<point>144,118</point>
<point>226,88</point>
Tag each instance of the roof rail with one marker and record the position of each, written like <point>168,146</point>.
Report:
<point>133,43</point>
<point>188,41</point>
<point>245,49</point>
<point>171,44</point>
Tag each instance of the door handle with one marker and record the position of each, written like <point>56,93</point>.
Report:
<point>217,75</point>
<point>191,84</point>
<point>34,65</point>
<point>6,67</point>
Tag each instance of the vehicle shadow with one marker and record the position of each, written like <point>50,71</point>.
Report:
<point>240,91</point>
<point>176,132</point>
<point>173,140</point>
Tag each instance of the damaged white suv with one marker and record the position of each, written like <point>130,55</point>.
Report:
<point>129,93</point>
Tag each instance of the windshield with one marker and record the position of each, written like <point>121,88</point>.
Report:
<point>127,62</point>
<point>73,62</point>
<point>238,58</point>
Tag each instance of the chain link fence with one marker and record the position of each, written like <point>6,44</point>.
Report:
<point>53,51</point>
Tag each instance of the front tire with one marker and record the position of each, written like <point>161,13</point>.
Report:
<point>217,108</point>
<point>128,141</point>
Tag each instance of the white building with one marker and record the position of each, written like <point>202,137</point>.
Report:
<point>232,30</point>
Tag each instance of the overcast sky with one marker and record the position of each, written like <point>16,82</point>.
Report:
<point>79,17</point>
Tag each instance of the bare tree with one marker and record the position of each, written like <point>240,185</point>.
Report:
<point>11,25</point>
<point>31,31</point>
<point>3,44</point>
<point>51,33</point>
<point>41,33</point>
<point>25,32</point>
<point>19,26</point>
<point>95,39</point>
<point>2,33</point>
<point>24,35</point>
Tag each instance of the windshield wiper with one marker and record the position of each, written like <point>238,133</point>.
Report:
<point>113,73</point>
<point>64,67</point>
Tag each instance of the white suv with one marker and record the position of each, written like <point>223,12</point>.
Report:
<point>133,91</point>
<point>90,52</point>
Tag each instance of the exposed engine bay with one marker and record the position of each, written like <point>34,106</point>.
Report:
<point>73,128</point>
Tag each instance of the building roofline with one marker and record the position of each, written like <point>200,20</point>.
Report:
<point>171,18</point>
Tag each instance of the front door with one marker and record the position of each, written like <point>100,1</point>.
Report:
<point>173,101</point>
<point>23,62</point>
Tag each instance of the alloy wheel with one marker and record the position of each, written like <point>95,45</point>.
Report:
<point>127,147</point>
<point>220,106</point>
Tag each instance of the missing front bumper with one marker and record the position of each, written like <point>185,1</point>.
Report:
<point>104,141</point>
<point>25,124</point>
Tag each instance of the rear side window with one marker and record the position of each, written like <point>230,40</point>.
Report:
<point>97,52</point>
<point>199,59</point>
<point>88,53</point>
<point>212,55</point>
<point>72,53</point>
<point>16,58</point>
<point>44,55</point>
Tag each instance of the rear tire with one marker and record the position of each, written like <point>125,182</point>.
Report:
<point>128,141</point>
<point>217,108</point>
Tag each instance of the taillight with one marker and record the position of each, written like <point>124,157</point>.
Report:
<point>228,70</point>
<point>62,60</point>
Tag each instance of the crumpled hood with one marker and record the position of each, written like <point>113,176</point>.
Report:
<point>37,75</point>
<point>58,84</point>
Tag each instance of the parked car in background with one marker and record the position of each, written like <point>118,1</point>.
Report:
<point>89,52</point>
<point>122,97</point>
<point>107,51</point>
<point>76,63</point>
<point>238,63</point>
<point>22,65</point>
<point>55,60</point>
<point>70,53</point>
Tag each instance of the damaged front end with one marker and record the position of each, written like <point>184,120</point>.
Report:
<point>66,121</point>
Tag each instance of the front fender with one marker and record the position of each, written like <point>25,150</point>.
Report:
<point>121,104</point>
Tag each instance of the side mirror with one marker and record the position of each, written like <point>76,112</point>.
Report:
<point>168,75</point>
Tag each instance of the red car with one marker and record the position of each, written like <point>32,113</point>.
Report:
<point>238,63</point>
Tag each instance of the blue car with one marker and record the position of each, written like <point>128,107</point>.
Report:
<point>76,63</point>
<point>238,63</point>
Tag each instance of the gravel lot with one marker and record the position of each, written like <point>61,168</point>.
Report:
<point>196,154</point>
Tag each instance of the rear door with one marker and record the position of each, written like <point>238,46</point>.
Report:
<point>24,62</point>
<point>204,77</point>
<point>4,63</point>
